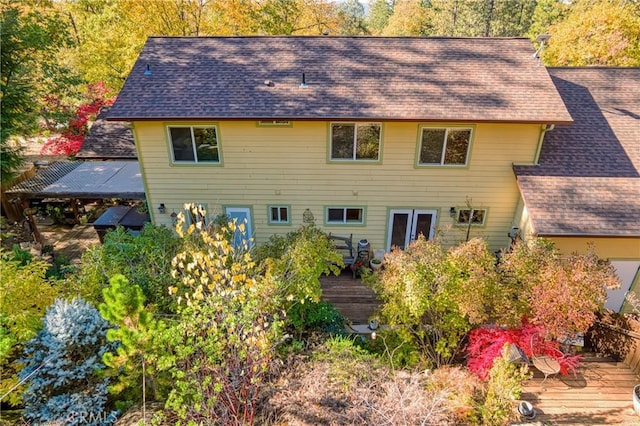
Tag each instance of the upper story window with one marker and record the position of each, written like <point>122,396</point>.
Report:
<point>194,144</point>
<point>355,141</point>
<point>444,146</point>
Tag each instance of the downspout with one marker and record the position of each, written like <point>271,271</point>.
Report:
<point>545,128</point>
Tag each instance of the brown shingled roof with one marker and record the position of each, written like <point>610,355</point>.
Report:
<point>108,140</point>
<point>588,178</point>
<point>438,79</point>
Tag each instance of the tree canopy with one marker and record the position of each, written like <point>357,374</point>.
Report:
<point>53,49</point>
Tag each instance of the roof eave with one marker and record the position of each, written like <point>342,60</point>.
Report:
<point>338,118</point>
<point>585,235</point>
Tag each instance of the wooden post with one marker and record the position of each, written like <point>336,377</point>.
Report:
<point>74,208</point>
<point>37,237</point>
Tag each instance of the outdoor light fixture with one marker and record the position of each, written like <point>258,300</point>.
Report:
<point>452,211</point>
<point>162,209</point>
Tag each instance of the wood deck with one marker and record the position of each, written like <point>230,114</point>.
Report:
<point>600,394</point>
<point>355,301</point>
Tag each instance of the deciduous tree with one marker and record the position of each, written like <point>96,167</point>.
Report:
<point>596,32</point>
<point>559,293</point>
<point>434,295</point>
<point>29,68</point>
<point>228,327</point>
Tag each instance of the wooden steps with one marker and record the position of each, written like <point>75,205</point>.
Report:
<point>354,300</point>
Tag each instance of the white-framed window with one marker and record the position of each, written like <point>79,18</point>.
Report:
<point>345,215</point>
<point>355,141</point>
<point>279,215</point>
<point>473,216</point>
<point>444,146</point>
<point>194,144</point>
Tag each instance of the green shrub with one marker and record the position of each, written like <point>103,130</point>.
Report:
<point>19,255</point>
<point>25,294</point>
<point>144,259</point>
<point>61,268</point>
<point>394,349</point>
<point>502,390</point>
<point>315,316</point>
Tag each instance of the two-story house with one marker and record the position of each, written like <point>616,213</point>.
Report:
<point>382,138</point>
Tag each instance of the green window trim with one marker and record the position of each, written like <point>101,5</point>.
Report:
<point>274,123</point>
<point>276,211</point>
<point>358,145</point>
<point>195,144</point>
<point>349,215</point>
<point>479,216</point>
<point>450,136</point>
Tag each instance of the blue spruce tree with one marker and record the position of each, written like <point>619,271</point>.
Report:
<point>62,364</point>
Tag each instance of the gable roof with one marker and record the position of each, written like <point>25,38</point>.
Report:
<point>587,182</point>
<point>108,140</point>
<point>355,78</point>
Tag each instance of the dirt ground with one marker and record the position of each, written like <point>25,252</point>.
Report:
<point>68,241</point>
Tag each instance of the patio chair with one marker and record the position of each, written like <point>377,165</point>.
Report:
<point>546,364</point>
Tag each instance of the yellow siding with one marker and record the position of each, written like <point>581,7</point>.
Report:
<point>264,165</point>
<point>606,248</point>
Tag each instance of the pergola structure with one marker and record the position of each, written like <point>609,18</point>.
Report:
<point>80,180</point>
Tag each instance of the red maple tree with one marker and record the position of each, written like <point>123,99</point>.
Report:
<point>71,138</point>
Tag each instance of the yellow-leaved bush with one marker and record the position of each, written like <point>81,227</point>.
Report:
<point>229,323</point>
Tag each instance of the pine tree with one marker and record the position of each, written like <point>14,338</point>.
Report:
<point>62,366</point>
<point>124,307</point>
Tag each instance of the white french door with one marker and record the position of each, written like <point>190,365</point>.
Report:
<point>405,225</point>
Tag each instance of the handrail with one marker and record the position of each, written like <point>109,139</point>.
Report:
<point>629,333</point>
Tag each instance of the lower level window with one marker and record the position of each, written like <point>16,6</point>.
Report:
<point>279,214</point>
<point>336,215</point>
<point>471,216</point>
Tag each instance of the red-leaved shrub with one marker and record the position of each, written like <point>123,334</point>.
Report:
<point>72,136</point>
<point>486,344</point>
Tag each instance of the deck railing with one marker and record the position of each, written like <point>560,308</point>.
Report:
<point>619,337</point>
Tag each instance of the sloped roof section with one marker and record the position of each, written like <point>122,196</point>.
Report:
<point>587,182</point>
<point>89,179</point>
<point>359,78</point>
<point>108,140</point>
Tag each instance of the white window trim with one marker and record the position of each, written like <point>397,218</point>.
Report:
<point>355,141</point>
<point>444,146</point>
<point>193,143</point>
